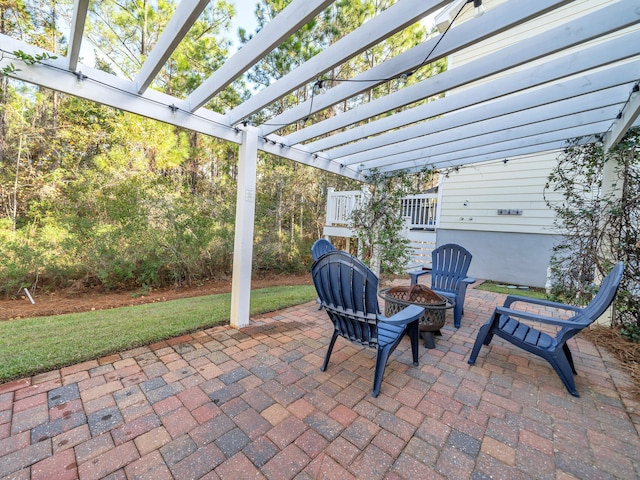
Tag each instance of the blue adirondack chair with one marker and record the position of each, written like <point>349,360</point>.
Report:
<point>508,323</point>
<point>348,291</point>
<point>320,247</point>
<point>449,266</point>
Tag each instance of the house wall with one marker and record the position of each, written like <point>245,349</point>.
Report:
<point>505,257</point>
<point>529,30</point>
<point>506,248</point>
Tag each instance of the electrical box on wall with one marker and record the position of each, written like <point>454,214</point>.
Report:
<point>509,211</point>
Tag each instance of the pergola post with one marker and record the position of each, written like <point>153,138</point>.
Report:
<point>243,243</point>
<point>611,185</point>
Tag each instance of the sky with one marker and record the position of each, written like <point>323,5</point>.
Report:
<point>244,18</point>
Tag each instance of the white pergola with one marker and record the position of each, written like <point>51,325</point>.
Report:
<point>577,77</point>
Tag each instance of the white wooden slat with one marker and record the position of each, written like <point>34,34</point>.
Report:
<point>501,18</point>
<point>78,20</point>
<point>499,154</point>
<point>382,26</point>
<point>606,20</point>
<point>575,112</point>
<point>583,62</point>
<point>584,84</point>
<point>294,16</point>
<point>629,115</point>
<point>481,143</point>
<point>187,12</point>
<point>400,161</point>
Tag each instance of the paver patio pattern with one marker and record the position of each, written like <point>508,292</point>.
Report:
<point>224,403</point>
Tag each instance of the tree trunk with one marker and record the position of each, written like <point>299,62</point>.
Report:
<point>376,251</point>
<point>14,214</point>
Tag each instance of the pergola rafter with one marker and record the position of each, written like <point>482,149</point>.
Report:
<point>493,143</point>
<point>187,12</point>
<point>474,137</point>
<point>589,27</point>
<point>77,29</point>
<point>274,33</point>
<point>376,30</point>
<point>505,16</point>
<point>554,115</point>
<point>505,104</point>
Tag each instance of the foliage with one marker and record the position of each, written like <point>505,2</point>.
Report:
<point>95,197</point>
<point>33,345</point>
<point>378,220</point>
<point>27,59</point>
<point>599,218</point>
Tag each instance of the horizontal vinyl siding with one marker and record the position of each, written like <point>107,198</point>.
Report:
<point>486,188</point>
<point>531,29</point>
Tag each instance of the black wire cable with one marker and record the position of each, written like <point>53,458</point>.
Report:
<point>319,83</point>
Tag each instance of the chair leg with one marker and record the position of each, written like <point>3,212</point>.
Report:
<point>329,350</point>
<point>414,336</point>
<point>457,314</point>
<point>562,366</point>
<point>567,352</point>
<point>381,363</point>
<point>484,338</point>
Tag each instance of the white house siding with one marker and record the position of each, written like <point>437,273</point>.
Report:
<point>506,248</point>
<point>529,30</point>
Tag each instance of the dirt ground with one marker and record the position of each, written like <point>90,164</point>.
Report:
<point>72,301</point>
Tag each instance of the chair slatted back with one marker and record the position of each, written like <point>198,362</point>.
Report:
<point>598,305</point>
<point>348,291</point>
<point>450,264</point>
<point>605,295</point>
<point>320,247</point>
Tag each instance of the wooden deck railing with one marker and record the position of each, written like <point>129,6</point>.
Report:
<point>420,210</point>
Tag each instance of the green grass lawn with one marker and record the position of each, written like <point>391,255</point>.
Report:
<point>494,287</point>
<point>40,344</point>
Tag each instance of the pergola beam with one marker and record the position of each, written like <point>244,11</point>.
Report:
<point>187,12</point>
<point>382,26</point>
<point>80,8</point>
<point>107,89</point>
<point>628,116</point>
<point>287,22</point>
<point>580,30</point>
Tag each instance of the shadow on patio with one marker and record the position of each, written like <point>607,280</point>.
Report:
<point>243,404</point>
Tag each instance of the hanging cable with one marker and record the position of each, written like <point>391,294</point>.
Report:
<point>321,82</point>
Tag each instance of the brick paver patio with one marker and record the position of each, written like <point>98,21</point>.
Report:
<point>223,403</point>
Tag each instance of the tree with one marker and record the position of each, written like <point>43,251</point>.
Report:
<point>378,220</point>
<point>599,227</point>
